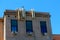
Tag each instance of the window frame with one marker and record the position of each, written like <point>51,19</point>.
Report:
<point>31,29</point>
<point>12,25</point>
<point>43,28</point>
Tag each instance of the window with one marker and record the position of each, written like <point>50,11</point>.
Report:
<point>43,27</point>
<point>14,25</point>
<point>29,26</point>
<point>8,15</point>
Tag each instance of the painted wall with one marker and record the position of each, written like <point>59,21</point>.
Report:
<point>56,37</point>
<point>1,30</point>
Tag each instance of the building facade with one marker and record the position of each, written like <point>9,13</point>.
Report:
<point>1,29</point>
<point>26,25</point>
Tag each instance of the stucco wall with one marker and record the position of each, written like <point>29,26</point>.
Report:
<point>21,35</point>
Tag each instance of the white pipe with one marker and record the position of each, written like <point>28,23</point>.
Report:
<point>23,12</point>
<point>18,15</point>
<point>4,27</point>
<point>33,13</point>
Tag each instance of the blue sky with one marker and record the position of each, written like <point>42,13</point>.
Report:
<point>51,6</point>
